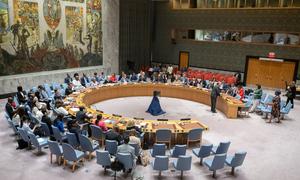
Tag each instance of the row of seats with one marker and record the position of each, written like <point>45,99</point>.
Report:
<point>265,107</point>
<point>75,151</point>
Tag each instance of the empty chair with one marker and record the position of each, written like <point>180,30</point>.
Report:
<point>221,149</point>
<point>163,136</point>
<point>178,150</point>
<point>183,163</point>
<point>126,159</point>
<point>70,154</point>
<point>160,163</point>
<point>57,135</point>
<point>203,151</point>
<point>215,163</point>
<point>137,149</point>
<point>236,160</point>
<point>111,146</point>
<point>194,135</point>
<point>267,110</point>
<point>103,159</point>
<point>158,150</point>
<point>24,136</point>
<point>97,134</point>
<point>37,142</point>
<point>55,149</point>
<point>72,140</point>
<point>285,110</point>
<point>87,146</point>
<point>45,129</point>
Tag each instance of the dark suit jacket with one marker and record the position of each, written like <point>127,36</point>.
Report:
<point>10,110</point>
<point>215,92</point>
<point>21,98</point>
<point>81,116</point>
<point>112,135</point>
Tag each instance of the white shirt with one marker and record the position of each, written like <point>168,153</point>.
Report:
<point>77,84</point>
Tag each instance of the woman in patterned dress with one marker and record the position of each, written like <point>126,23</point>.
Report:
<point>275,113</point>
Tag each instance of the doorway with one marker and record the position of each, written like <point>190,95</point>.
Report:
<point>184,59</point>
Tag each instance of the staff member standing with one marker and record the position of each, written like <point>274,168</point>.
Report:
<point>215,92</point>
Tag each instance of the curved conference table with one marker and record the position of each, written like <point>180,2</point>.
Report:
<point>89,96</point>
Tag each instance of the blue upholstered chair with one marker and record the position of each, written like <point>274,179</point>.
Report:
<point>55,149</point>
<point>160,163</point>
<point>126,159</point>
<point>263,97</point>
<point>236,160</point>
<point>158,150</point>
<point>203,152</point>
<point>72,140</point>
<point>97,134</point>
<point>32,118</point>
<point>215,163</point>
<point>111,146</point>
<point>70,154</point>
<point>45,129</point>
<point>24,136</point>
<point>103,159</point>
<point>57,135</point>
<point>194,135</point>
<point>264,102</point>
<point>285,110</point>
<point>48,90</point>
<point>178,150</point>
<point>163,136</point>
<point>183,163</point>
<point>221,149</point>
<point>37,142</point>
<point>12,125</point>
<point>87,146</point>
<point>137,149</point>
<point>267,109</point>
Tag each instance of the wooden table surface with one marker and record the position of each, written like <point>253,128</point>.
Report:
<point>226,104</point>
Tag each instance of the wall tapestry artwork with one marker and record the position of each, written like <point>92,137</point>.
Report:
<point>49,35</point>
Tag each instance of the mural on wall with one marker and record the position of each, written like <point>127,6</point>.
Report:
<point>44,40</point>
<point>94,21</point>
<point>52,13</point>
<point>4,21</point>
<point>74,22</point>
<point>78,1</point>
<point>25,29</point>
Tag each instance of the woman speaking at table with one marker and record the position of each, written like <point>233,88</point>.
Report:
<point>155,108</point>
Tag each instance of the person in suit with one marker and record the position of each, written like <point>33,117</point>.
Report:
<point>126,148</point>
<point>84,80</point>
<point>46,119</point>
<point>215,92</point>
<point>114,134</point>
<point>69,90</point>
<point>68,79</point>
<point>9,107</point>
<point>291,93</point>
<point>81,115</point>
<point>21,95</point>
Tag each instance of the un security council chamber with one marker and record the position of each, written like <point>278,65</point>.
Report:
<point>149,89</point>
